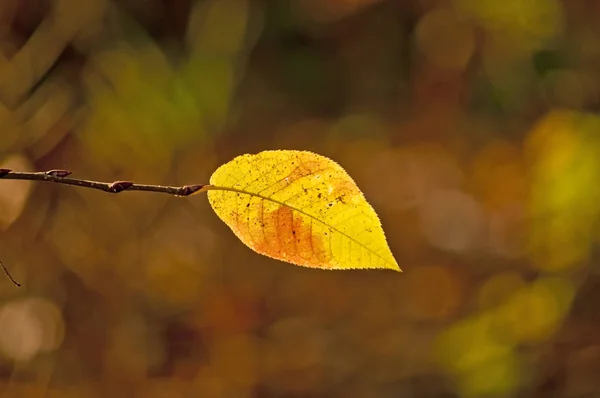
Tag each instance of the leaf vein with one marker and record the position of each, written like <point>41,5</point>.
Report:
<point>235,190</point>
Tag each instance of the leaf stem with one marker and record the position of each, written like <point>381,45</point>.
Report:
<point>61,177</point>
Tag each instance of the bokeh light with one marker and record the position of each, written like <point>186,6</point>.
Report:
<point>14,194</point>
<point>470,126</point>
<point>451,220</point>
<point>29,327</point>
<point>446,39</point>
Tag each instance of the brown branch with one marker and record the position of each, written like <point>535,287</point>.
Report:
<point>61,177</point>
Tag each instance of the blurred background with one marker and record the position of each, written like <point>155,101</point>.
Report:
<point>471,126</point>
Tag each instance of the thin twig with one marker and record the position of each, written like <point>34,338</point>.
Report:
<point>61,177</point>
<point>17,284</point>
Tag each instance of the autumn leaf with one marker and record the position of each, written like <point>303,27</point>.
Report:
<point>301,208</point>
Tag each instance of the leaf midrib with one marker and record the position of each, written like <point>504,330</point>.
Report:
<point>220,188</point>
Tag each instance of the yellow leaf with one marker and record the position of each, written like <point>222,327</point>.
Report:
<point>301,208</point>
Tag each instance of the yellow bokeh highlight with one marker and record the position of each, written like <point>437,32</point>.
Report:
<point>563,154</point>
<point>482,364</point>
<point>495,378</point>
<point>211,79</point>
<point>218,34</point>
<point>533,313</point>
<point>141,108</point>
<point>469,343</point>
<point>525,24</point>
<point>498,288</point>
<point>301,208</point>
<point>554,142</point>
<point>219,26</point>
<point>446,38</point>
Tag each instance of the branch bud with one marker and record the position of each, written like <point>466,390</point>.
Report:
<point>188,190</point>
<point>58,173</point>
<point>119,186</point>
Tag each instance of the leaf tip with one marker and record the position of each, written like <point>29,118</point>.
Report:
<point>394,267</point>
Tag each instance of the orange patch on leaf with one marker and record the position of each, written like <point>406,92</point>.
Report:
<point>344,191</point>
<point>288,236</point>
<point>304,169</point>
